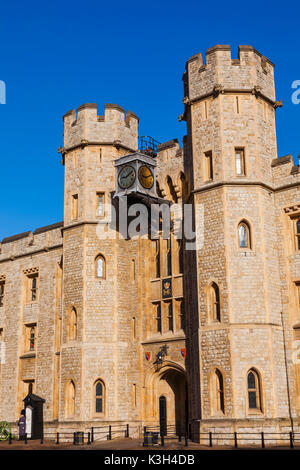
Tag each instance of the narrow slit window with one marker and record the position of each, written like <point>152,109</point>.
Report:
<point>100,204</point>
<point>240,162</point>
<point>170,316</point>
<point>169,257</point>
<point>158,318</point>
<point>32,289</point>
<point>100,267</point>
<point>215,302</point>
<point>182,315</point>
<point>244,235</point>
<point>220,391</point>
<point>99,397</point>
<point>298,234</point>
<point>237,103</point>
<point>157,258</point>
<point>2,290</point>
<point>209,166</point>
<point>75,206</point>
<point>180,256</point>
<point>32,339</point>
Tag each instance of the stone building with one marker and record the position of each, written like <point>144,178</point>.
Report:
<point>141,330</point>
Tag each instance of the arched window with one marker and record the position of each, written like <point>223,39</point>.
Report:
<point>217,395</point>
<point>99,397</point>
<point>254,396</point>
<point>244,235</point>
<point>70,399</point>
<point>100,267</point>
<point>214,302</point>
<point>72,324</point>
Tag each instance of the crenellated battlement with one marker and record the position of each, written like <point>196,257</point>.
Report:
<point>285,171</point>
<point>251,72</point>
<point>27,243</point>
<point>113,126</point>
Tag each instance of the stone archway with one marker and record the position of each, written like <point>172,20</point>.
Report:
<point>171,389</point>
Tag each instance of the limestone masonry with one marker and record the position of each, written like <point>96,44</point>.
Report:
<point>142,331</point>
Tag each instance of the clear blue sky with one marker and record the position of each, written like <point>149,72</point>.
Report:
<point>56,55</point>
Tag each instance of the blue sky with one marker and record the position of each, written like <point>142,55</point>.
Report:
<point>56,56</point>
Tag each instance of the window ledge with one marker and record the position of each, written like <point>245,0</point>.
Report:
<point>256,412</point>
<point>246,252</point>
<point>27,355</point>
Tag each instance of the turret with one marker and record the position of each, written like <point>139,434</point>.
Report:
<point>230,112</point>
<point>113,127</point>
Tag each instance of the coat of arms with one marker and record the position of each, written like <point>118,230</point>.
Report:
<point>166,288</point>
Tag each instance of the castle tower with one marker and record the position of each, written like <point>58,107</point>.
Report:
<point>98,288</point>
<point>236,337</point>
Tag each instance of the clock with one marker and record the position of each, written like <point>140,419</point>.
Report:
<point>126,177</point>
<point>146,177</point>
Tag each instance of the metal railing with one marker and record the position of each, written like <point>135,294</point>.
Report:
<point>111,431</point>
<point>234,439</point>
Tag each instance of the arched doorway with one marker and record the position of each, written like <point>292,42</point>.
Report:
<point>171,396</point>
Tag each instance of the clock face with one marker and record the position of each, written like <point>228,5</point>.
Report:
<point>126,177</point>
<point>146,177</point>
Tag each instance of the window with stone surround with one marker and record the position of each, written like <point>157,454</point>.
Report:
<point>2,291</point>
<point>100,205</point>
<point>182,315</point>
<point>99,396</point>
<point>158,317</point>
<point>70,399</point>
<point>217,393</point>
<point>208,166</point>
<point>214,302</point>
<point>30,337</point>
<point>169,257</point>
<point>240,168</point>
<point>100,267</point>
<point>244,235</point>
<point>72,324</point>
<point>32,285</point>
<point>170,316</point>
<point>297,232</point>
<point>254,392</point>
<point>180,256</point>
<point>74,208</point>
<point>297,284</point>
<point>157,258</point>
